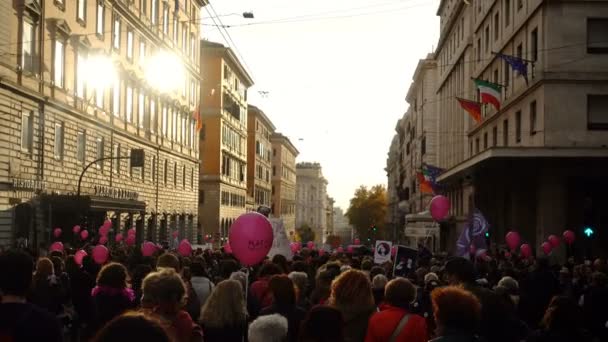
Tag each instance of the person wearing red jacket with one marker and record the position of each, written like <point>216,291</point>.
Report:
<point>395,323</point>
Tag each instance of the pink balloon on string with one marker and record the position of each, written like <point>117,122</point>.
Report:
<point>340,250</point>
<point>100,254</point>
<point>107,223</point>
<point>569,237</point>
<point>357,241</point>
<point>103,240</point>
<point>148,248</point>
<point>513,239</point>
<point>553,240</point>
<point>294,247</point>
<point>393,251</point>
<point>546,247</point>
<point>440,207</point>
<point>56,246</point>
<point>84,234</point>
<point>350,249</point>
<point>131,232</point>
<point>251,238</point>
<point>118,237</point>
<point>184,248</point>
<point>104,230</point>
<point>321,252</point>
<point>175,234</point>
<point>57,232</point>
<point>310,245</point>
<point>525,250</point>
<point>78,256</point>
<point>130,241</point>
<point>227,248</point>
<point>76,229</point>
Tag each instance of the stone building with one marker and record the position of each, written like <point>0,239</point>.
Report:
<point>342,228</point>
<point>259,157</point>
<point>57,117</point>
<point>311,197</point>
<point>223,139</point>
<point>283,188</point>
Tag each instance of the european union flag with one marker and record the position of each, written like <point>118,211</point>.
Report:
<point>516,64</point>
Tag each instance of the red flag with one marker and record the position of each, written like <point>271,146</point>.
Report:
<point>425,185</point>
<point>472,107</point>
<point>196,115</point>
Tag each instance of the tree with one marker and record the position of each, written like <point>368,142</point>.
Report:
<point>333,240</point>
<point>367,213</point>
<point>305,233</point>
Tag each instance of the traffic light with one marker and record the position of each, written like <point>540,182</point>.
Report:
<point>588,231</point>
<point>487,235</point>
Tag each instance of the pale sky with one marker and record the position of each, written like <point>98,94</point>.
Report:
<point>338,83</point>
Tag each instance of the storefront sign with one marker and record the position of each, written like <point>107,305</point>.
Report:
<point>106,191</point>
<point>28,184</point>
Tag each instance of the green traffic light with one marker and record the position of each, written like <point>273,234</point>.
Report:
<point>588,231</point>
<point>487,234</point>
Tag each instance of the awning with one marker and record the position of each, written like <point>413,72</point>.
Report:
<point>93,203</point>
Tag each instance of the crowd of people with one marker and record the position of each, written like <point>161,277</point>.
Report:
<point>337,297</point>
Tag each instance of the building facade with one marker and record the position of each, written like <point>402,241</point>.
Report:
<point>223,140</point>
<point>536,164</point>
<point>342,227</point>
<point>283,189</point>
<point>57,118</point>
<point>311,195</point>
<point>259,157</point>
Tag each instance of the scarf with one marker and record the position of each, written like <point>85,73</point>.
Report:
<point>111,291</point>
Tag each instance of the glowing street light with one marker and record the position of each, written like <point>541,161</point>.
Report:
<point>164,72</point>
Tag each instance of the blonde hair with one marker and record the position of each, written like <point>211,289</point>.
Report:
<point>225,307</point>
<point>351,290</point>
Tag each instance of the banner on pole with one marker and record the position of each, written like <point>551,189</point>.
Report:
<point>382,252</point>
<point>405,261</point>
<point>280,243</point>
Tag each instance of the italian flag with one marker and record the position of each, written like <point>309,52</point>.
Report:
<point>490,93</point>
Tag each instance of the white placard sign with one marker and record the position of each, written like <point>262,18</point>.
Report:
<point>280,243</point>
<point>382,252</point>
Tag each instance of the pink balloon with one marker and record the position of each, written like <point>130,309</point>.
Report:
<point>131,232</point>
<point>393,250</point>
<point>513,239</point>
<point>104,230</point>
<point>294,247</point>
<point>57,232</point>
<point>118,237</point>
<point>525,250</point>
<point>472,249</point>
<point>84,234</point>
<point>184,248</point>
<point>227,248</point>
<point>321,252</point>
<point>103,240</point>
<point>175,234</point>
<point>130,241</point>
<point>148,248</point>
<point>553,240</point>
<point>340,250</point>
<point>251,238</point>
<point>440,207</point>
<point>107,223</point>
<point>76,229</point>
<point>310,245</point>
<point>569,237</point>
<point>350,249</point>
<point>79,255</point>
<point>56,246</point>
<point>357,241</point>
<point>507,255</point>
<point>546,247</point>
<point>100,254</point>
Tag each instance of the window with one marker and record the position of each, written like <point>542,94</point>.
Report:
<point>507,12</point>
<point>116,33</point>
<point>116,99</point>
<point>143,6</point>
<point>116,154</point>
<point>507,74</point>
<point>520,4</point>
<point>174,174</point>
<point>164,121</point>
<point>478,50</point>
<point>487,36</point>
<point>505,133</point>
<point>129,104</point>
<point>141,106</point>
<point>152,123</point>
<point>165,171</point>
<point>477,145</point>
<point>175,114</point>
<point>274,171</point>
<point>59,140</point>
<point>423,146</point>
<point>130,44</point>
<point>99,153</point>
<point>27,128</point>
<point>597,35</point>
<point>154,14</point>
<point>80,72</point>
<point>520,51</point>
<point>485,140</point>
<point>28,57</point>
<point>494,136</point>
<point>100,25</point>
<point>166,18</point>
<point>153,169</point>
<point>184,38</point>
<point>142,52</point>
<point>534,44</point>
<point>99,98</point>
<point>81,145</point>
<point>192,92</point>
<point>496,25</point>
<point>192,45</point>
<point>532,117</point>
<point>81,14</point>
<point>518,126</point>
<point>597,111</point>
<point>175,28</point>
<point>184,176</point>
<point>192,178</point>
<point>59,63</point>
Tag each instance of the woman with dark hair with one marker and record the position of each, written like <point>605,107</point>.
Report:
<point>259,288</point>
<point>81,284</point>
<point>283,292</point>
<point>351,293</point>
<point>457,314</point>
<point>47,291</point>
<point>111,296</point>
<point>137,278</point>
<point>562,322</point>
<point>322,324</point>
<point>133,327</point>
<point>396,320</point>
<point>281,261</point>
<point>322,289</point>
